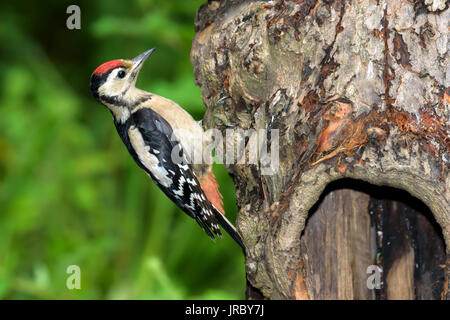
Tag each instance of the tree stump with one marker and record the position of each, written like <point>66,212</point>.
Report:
<point>360,91</point>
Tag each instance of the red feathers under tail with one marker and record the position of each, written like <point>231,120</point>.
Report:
<point>211,188</point>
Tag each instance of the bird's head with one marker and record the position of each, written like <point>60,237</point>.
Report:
<point>112,80</point>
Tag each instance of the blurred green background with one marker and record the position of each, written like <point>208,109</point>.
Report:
<point>70,194</point>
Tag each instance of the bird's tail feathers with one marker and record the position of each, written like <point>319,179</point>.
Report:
<point>228,227</point>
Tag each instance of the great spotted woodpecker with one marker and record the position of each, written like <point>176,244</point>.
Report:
<point>150,127</point>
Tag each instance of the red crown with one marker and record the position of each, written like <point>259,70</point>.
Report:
<point>107,66</point>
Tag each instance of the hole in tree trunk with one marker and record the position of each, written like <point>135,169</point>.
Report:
<point>357,229</point>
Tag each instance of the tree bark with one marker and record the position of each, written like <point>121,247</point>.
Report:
<point>357,90</point>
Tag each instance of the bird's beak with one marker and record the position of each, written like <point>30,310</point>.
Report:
<point>139,61</point>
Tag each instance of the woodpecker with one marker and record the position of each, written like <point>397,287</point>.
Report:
<point>152,127</point>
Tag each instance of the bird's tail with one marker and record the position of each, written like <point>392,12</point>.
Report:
<point>228,227</point>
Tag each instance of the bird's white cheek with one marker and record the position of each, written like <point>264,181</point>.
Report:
<point>111,88</point>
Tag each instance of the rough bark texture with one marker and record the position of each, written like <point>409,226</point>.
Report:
<point>357,89</point>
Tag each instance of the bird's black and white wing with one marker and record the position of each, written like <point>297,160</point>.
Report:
<point>161,156</point>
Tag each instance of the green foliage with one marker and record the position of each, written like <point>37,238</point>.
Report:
<point>69,192</point>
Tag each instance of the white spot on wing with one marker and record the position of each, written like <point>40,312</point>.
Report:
<point>192,181</point>
<point>181,182</point>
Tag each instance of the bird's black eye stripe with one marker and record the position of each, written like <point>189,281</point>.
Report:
<point>121,74</point>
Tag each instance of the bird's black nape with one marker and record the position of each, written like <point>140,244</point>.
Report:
<point>95,83</point>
